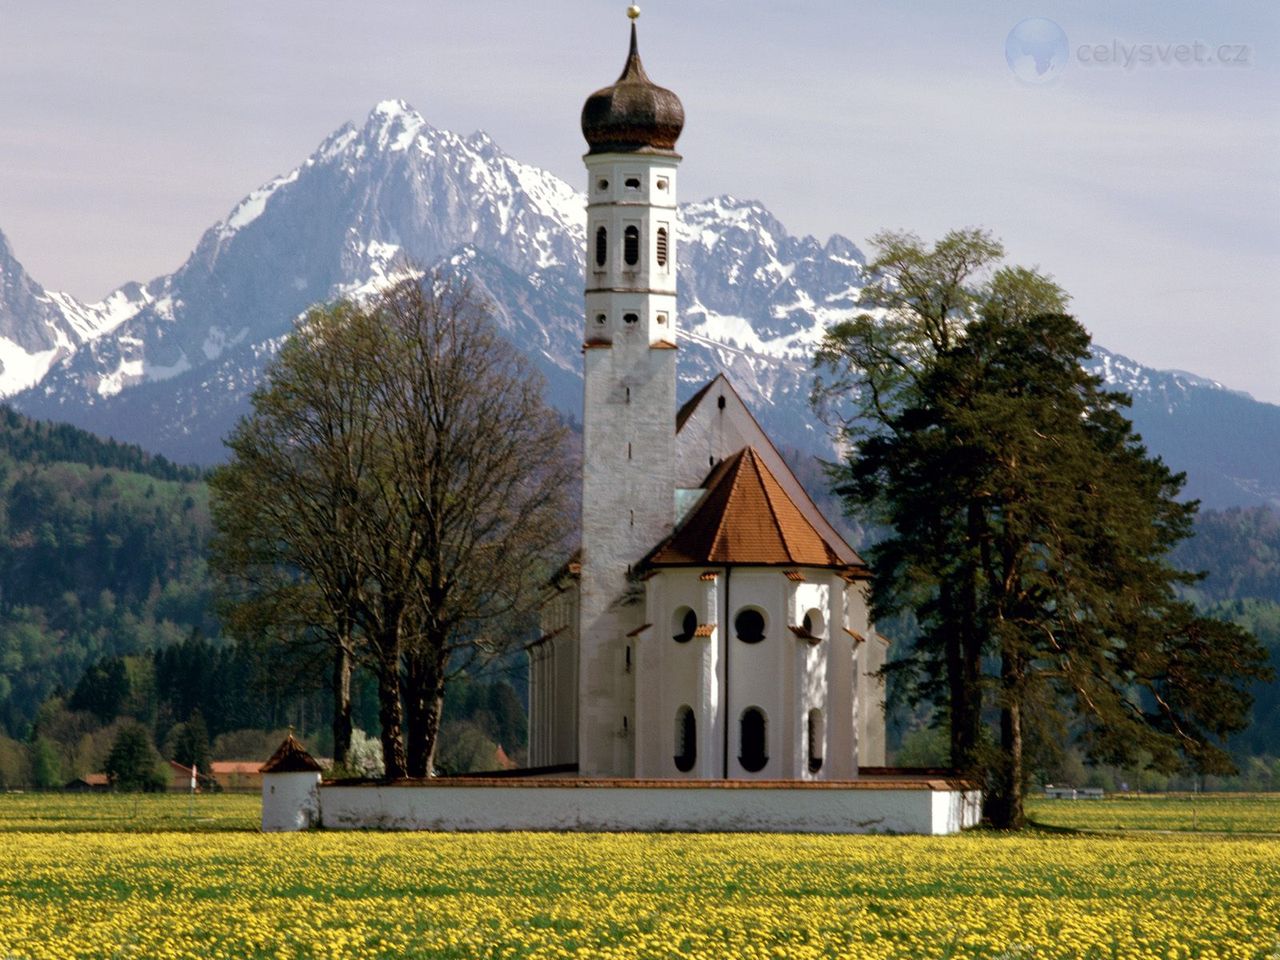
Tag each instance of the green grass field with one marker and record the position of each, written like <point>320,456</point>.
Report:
<point>169,876</point>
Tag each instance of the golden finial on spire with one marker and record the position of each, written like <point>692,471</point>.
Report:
<point>633,11</point>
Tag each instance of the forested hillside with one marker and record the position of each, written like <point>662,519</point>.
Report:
<point>101,554</point>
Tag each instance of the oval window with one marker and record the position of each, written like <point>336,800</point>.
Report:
<point>686,624</point>
<point>749,625</point>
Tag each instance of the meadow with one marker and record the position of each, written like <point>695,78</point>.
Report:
<point>176,877</point>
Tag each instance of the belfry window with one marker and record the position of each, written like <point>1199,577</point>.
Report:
<point>633,183</point>
<point>631,318</point>
<point>602,246</point>
<point>749,625</point>
<point>662,246</point>
<point>631,245</point>
<point>686,739</point>
<point>752,740</point>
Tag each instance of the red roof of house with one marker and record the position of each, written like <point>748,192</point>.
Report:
<point>746,517</point>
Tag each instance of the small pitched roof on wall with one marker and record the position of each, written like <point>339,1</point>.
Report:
<point>291,757</point>
<point>746,517</point>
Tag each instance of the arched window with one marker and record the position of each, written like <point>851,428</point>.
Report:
<point>815,740</point>
<point>631,245</point>
<point>749,625</point>
<point>602,246</point>
<point>753,752</point>
<point>813,623</point>
<point>686,739</point>
<point>662,246</point>
<point>685,623</point>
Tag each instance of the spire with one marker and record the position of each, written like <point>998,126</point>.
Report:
<point>635,115</point>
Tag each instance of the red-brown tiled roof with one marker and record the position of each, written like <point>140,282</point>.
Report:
<point>746,517</point>
<point>291,757</point>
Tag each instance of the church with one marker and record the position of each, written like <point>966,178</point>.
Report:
<point>713,625</point>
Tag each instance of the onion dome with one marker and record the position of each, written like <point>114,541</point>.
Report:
<point>635,115</point>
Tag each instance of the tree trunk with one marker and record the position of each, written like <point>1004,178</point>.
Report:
<point>341,704</point>
<point>1006,809</point>
<point>425,698</point>
<point>390,715</point>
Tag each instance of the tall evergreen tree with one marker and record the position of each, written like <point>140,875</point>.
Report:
<point>1031,529</point>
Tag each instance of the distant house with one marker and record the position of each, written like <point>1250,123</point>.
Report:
<point>89,783</point>
<point>238,775</point>
<point>181,777</point>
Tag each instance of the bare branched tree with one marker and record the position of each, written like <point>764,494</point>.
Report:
<point>399,491</point>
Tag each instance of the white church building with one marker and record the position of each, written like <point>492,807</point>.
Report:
<point>706,660</point>
<point>714,624</point>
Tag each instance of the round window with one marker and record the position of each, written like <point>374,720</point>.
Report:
<point>749,625</point>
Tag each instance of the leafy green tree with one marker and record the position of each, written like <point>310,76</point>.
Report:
<point>1030,526</point>
<point>133,763</point>
<point>46,766</point>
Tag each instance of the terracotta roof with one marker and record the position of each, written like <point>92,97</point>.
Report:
<point>745,517</point>
<point>857,569</point>
<point>857,637</point>
<point>795,576</point>
<point>291,757</point>
<point>708,575</point>
<point>230,767</point>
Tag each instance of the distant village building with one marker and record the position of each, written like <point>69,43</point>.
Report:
<point>714,624</point>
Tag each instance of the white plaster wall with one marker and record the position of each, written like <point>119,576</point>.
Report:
<point>553,688</point>
<point>840,762</point>
<point>777,809</point>
<point>290,801</point>
<point>680,674</point>
<point>761,674</point>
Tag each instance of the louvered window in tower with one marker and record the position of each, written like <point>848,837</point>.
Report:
<point>602,246</point>
<point>662,246</point>
<point>631,246</point>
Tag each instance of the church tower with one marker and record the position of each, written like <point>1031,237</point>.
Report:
<point>629,346</point>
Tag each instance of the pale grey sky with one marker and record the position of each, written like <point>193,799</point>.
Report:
<point>1152,192</point>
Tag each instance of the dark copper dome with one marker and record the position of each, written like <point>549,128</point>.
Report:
<point>635,115</point>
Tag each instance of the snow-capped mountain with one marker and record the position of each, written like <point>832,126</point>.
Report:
<point>170,365</point>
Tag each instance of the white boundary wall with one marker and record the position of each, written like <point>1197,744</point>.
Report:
<point>923,807</point>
